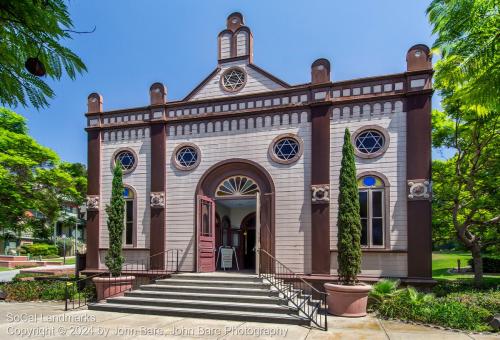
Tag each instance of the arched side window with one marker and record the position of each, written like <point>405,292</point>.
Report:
<point>373,202</point>
<point>129,216</point>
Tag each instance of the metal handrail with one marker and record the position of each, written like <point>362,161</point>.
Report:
<point>139,267</point>
<point>276,273</point>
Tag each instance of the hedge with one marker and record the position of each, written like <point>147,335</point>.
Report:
<point>42,249</point>
<point>490,264</point>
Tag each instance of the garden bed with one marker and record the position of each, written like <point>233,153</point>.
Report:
<point>456,306</point>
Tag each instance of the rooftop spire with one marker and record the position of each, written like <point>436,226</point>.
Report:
<point>236,40</point>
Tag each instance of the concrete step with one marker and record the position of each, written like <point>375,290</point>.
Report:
<point>217,277</point>
<point>201,304</point>
<point>213,283</point>
<point>254,299</point>
<point>211,290</point>
<point>205,313</point>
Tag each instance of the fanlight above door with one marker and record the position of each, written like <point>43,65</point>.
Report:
<point>237,186</point>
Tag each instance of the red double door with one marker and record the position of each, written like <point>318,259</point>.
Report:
<point>205,225</point>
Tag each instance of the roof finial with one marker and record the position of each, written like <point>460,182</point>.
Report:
<point>235,21</point>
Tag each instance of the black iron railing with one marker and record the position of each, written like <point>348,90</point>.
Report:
<point>80,292</point>
<point>310,302</point>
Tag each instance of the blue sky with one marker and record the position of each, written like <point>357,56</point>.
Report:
<point>137,43</point>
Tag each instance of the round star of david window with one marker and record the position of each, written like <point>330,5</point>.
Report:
<point>286,149</point>
<point>233,79</point>
<point>370,142</point>
<point>126,159</point>
<point>186,156</point>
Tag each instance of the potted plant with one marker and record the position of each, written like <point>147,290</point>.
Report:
<point>349,297</point>
<point>115,284</point>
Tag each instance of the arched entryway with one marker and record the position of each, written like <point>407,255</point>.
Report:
<point>233,184</point>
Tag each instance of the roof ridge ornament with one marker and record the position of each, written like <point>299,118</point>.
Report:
<point>236,40</point>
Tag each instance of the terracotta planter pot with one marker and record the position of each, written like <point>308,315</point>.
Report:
<point>112,286</point>
<point>349,301</point>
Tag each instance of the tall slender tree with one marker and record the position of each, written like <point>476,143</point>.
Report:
<point>115,210</point>
<point>349,222</point>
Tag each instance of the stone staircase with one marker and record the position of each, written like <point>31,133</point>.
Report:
<point>221,296</point>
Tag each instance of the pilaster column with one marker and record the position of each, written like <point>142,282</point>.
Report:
<point>157,233</point>
<point>418,161</point>
<point>94,182</point>
<point>320,167</point>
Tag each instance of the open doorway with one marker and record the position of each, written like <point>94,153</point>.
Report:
<point>236,228</point>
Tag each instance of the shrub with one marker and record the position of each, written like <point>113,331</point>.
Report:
<point>490,264</point>
<point>20,276</point>
<point>489,300</point>
<point>36,290</point>
<point>445,287</point>
<point>468,311</point>
<point>382,290</point>
<point>42,249</point>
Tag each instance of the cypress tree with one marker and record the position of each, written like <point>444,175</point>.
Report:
<point>348,222</point>
<point>115,210</point>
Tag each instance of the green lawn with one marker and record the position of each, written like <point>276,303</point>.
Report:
<point>69,260</point>
<point>442,261</point>
<point>4,269</point>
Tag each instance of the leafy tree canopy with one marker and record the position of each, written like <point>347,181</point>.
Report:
<point>466,203</point>
<point>30,35</point>
<point>32,177</point>
<point>468,37</point>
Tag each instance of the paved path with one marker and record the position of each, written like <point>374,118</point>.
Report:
<point>49,321</point>
<point>8,275</point>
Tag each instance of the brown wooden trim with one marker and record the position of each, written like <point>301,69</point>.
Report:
<point>229,60</point>
<point>129,249</point>
<point>377,250</point>
<point>291,89</point>
<point>269,75</point>
<point>93,188</point>
<point>418,166</point>
<point>362,80</point>
<point>157,233</point>
<point>236,166</point>
<point>201,84</point>
<point>320,174</point>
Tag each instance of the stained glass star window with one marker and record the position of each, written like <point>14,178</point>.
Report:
<point>126,160</point>
<point>286,148</point>
<point>187,156</point>
<point>369,141</point>
<point>233,79</point>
